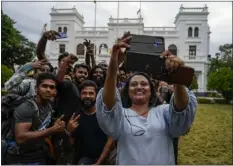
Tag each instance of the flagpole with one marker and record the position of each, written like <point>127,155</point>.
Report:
<point>140,8</point>
<point>140,16</point>
<point>118,8</point>
<point>95,30</point>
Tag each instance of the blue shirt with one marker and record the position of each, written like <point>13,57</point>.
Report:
<point>154,145</point>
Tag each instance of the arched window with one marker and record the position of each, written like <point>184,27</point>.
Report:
<point>65,30</point>
<point>196,31</point>
<point>80,49</point>
<point>103,48</point>
<point>190,32</point>
<point>172,49</point>
<point>59,29</point>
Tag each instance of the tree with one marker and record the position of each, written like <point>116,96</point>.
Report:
<point>6,74</point>
<point>221,81</point>
<point>194,84</point>
<point>16,49</point>
<point>220,72</point>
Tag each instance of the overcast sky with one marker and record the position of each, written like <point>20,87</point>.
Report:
<point>31,16</point>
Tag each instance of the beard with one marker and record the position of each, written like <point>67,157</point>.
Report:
<point>88,103</point>
<point>79,80</point>
<point>98,80</point>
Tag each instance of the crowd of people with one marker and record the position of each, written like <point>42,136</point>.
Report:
<point>95,114</point>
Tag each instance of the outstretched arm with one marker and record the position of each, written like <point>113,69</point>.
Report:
<point>48,35</point>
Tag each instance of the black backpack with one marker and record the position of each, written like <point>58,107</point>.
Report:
<point>9,103</point>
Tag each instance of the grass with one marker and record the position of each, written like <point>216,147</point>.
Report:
<point>210,138</point>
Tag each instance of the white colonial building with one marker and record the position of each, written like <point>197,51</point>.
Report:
<point>189,38</point>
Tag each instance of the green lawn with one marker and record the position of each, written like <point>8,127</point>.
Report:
<point>210,139</point>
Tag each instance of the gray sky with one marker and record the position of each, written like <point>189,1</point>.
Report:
<point>31,16</point>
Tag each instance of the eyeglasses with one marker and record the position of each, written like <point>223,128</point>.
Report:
<point>139,131</point>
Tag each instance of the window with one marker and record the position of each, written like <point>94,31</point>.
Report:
<point>190,32</point>
<point>59,29</point>
<point>103,48</point>
<point>172,49</point>
<point>65,29</point>
<point>80,49</point>
<point>62,48</point>
<point>196,32</point>
<point>192,52</point>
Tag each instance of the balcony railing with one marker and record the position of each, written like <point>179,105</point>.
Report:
<point>92,33</point>
<point>159,29</point>
<point>93,29</point>
<point>125,20</point>
<point>198,58</point>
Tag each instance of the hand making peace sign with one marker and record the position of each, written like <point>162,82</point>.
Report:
<point>73,123</point>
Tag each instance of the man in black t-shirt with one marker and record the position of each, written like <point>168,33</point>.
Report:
<point>67,102</point>
<point>95,145</point>
<point>31,126</point>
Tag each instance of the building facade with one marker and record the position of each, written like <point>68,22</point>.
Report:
<point>189,38</point>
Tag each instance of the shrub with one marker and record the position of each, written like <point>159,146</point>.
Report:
<point>6,74</point>
<point>214,94</point>
<point>204,101</point>
<point>221,101</point>
<point>212,101</point>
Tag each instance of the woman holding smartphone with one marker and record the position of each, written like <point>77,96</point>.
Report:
<point>144,133</point>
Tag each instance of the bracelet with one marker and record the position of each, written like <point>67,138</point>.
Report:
<point>68,133</point>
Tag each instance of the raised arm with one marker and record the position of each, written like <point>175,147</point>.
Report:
<point>64,66</point>
<point>21,74</point>
<point>108,103</point>
<point>117,57</point>
<point>87,56</point>
<point>41,46</point>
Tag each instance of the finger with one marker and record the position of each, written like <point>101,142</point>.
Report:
<point>77,118</point>
<point>121,45</point>
<point>53,37</point>
<point>62,123</point>
<point>43,60</point>
<point>165,53</point>
<point>126,34</point>
<point>171,64</point>
<point>61,117</point>
<point>178,60</point>
<point>127,39</point>
<point>72,117</point>
<point>76,124</point>
<point>176,65</point>
<point>167,61</point>
<point>56,33</point>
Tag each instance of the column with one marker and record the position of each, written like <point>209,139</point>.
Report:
<point>202,81</point>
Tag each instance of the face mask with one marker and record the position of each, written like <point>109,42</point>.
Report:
<point>88,103</point>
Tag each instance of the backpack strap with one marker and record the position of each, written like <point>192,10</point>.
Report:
<point>47,120</point>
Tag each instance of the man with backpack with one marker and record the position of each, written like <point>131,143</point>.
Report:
<point>30,126</point>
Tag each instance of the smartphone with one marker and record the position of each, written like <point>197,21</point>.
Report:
<point>63,35</point>
<point>144,55</point>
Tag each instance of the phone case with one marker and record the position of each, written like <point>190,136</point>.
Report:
<point>62,35</point>
<point>144,55</point>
